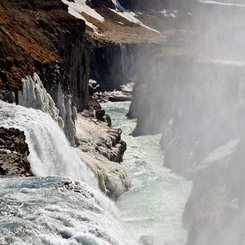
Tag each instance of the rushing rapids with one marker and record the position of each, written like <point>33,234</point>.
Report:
<point>154,206</point>
<point>54,210</point>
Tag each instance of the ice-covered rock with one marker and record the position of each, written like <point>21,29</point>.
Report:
<point>34,95</point>
<point>102,148</point>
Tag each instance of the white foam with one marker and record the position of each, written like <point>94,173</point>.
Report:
<point>50,152</point>
<point>51,214</point>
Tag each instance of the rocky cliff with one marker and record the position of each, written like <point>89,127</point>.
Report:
<point>193,93</point>
<point>48,55</point>
<point>202,126</point>
<point>40,36</point>
<point>45,63</point>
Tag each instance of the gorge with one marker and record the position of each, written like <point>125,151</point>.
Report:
<point>174,168</point>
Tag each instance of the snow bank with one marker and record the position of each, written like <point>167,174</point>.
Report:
<point>78,7</point>
<point>222,3</point>
<point>129,15</point>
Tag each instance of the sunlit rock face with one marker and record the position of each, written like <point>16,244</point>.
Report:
<point>51,45</point>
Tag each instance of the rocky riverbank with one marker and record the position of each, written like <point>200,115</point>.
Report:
<point>102,149</point>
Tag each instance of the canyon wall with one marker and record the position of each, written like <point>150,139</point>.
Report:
<point>198,107</point>
<point>194,95</point>
<point>13,153</point>
<point>41,37</point>
<point>45,58</point>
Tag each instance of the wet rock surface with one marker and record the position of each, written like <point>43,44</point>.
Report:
<point>13,153</point>
<point>113,96</point>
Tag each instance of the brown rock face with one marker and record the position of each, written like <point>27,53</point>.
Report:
<point>40,36</point>
<point>13,153</point>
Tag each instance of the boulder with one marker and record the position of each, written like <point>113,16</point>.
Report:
<point>13,153</point>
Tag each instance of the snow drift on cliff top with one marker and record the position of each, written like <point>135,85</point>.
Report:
<point>225,3</point>
<point>78,7</point>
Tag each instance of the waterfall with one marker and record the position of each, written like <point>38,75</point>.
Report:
<point>50,152</point>
<point>128,63</point>
<point>124,63</point>
<point>74,212</point>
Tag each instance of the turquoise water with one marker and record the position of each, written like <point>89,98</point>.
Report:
<point>154,206</point>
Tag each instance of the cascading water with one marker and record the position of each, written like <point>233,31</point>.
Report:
<point>128,63</point>
<point>50,152</point>
<point>54,210</point>
<point>124,64</point>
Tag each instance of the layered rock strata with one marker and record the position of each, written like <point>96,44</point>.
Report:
<point>41,36</point>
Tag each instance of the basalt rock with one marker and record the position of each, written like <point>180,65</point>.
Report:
<point>13,153</point>
<point>94,110</point>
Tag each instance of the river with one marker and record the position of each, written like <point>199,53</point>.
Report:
<point>58,211</point>
<point>155,204</point>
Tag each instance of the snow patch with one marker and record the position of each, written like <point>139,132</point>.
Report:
<point>118,5</point>
<point>78,7</point>
<point>222,3</point>
<point>131,17</point>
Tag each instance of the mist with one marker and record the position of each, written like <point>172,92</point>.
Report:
<point>192,90</point>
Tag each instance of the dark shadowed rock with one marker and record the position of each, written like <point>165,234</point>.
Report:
<point>13,153</point>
